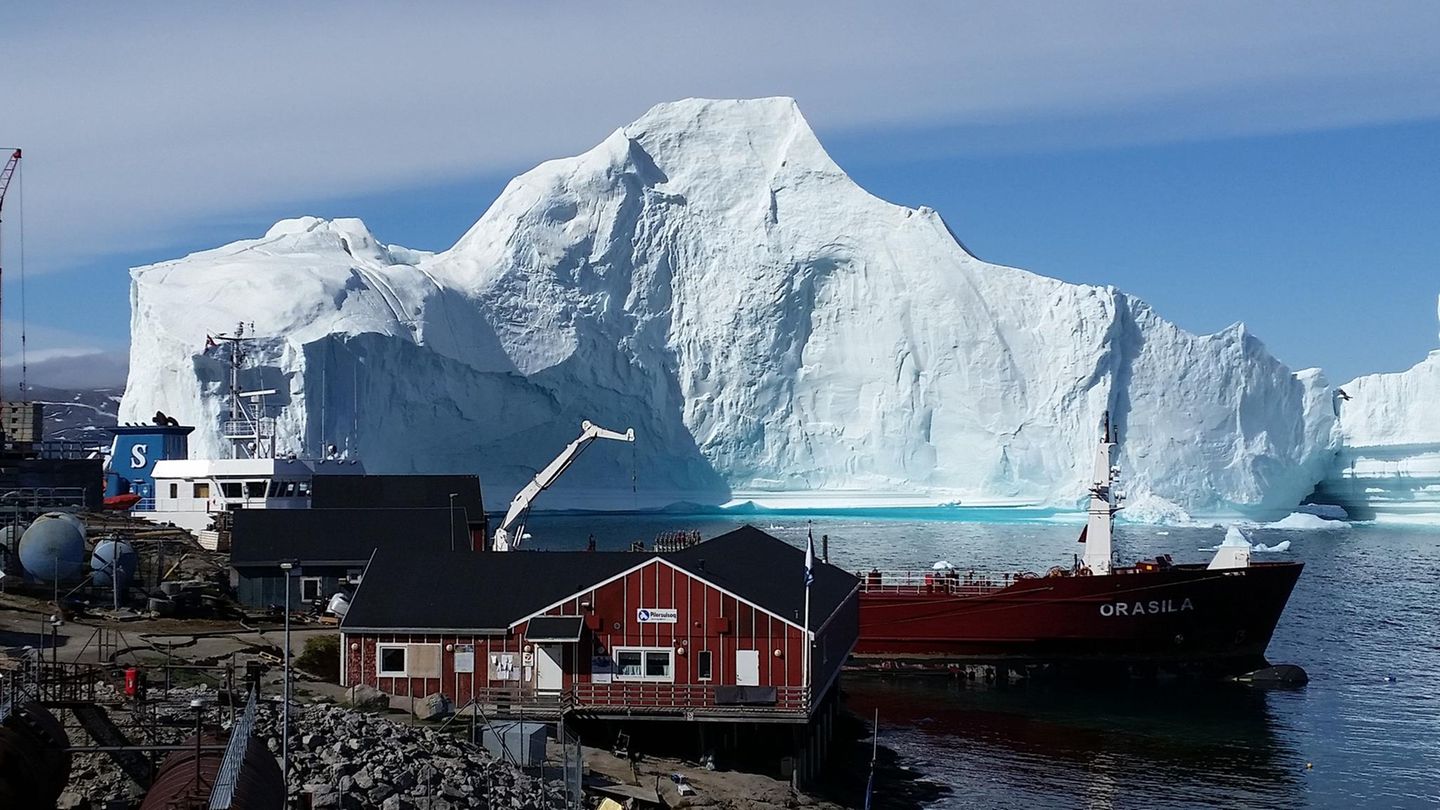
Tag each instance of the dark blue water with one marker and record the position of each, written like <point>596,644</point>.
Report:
<point>1364,621</point>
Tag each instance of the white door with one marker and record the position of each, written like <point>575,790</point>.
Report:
<point>747,667</point>
<point>549,676</point>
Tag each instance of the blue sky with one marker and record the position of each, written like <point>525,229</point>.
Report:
<point>1233,161</point>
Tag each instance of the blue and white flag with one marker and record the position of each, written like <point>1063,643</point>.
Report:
<point>809,557</point>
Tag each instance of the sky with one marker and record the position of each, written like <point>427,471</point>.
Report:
<point>1272,163</point>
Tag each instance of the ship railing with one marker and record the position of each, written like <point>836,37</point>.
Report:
<point>262,428</point>
<point>949,582</point>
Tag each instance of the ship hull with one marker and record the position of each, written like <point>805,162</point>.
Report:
<point>1177,618</point>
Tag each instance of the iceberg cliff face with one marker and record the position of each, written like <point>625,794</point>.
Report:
<point>708,275</point>
<point>1388,464</point>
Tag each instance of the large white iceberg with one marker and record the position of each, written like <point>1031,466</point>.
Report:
<point>1388,466</point>
<point>710,276</point>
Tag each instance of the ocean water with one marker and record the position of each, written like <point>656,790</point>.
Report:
<point>1364,622</point>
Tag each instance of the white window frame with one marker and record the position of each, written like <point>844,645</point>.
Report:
<point>319,588</point>
<point>644,652</point>
<point>380,657</point>
<point>710,659</point>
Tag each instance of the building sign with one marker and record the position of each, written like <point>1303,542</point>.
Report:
<point>464,658</point>
<point>657,615</point>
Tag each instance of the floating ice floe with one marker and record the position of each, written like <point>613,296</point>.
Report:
<point>1307,522</point>
<point>1234,536</point>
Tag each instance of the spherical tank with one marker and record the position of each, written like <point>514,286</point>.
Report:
<point>10,536</point>
<point>53,548</point>
<point>113,556</point>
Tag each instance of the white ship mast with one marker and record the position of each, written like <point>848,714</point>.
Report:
<point>249,430</point>
<point>1104,503</point>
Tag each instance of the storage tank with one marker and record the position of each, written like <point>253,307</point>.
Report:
<point>53,548</point>
<point>113,557</point>
<point>258,786</point>
<point>34,765</point>
<point>10,536</point>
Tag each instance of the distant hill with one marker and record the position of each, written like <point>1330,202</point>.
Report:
<point>81,415</point>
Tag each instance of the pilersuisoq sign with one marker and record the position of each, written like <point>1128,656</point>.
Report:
<point>657,615</point>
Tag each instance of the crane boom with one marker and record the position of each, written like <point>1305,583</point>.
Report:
<point>511,531</point>
<point>6,175</point>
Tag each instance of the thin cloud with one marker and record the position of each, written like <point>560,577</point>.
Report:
<point>141,123</point>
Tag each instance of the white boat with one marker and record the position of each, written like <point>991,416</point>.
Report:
<point>151,462</point>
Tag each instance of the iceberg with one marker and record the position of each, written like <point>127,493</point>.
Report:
<point>709,276</point>
<point>1388,463</point>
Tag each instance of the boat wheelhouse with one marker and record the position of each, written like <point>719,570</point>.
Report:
<point>188,491</point>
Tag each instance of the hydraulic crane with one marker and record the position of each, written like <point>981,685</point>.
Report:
<point>511,532</point>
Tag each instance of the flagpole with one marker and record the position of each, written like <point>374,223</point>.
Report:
<point>809,575</point>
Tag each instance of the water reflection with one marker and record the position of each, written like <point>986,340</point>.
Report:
<point>1170,745</point>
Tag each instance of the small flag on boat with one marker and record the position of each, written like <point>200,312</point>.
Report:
<point>809,556</point>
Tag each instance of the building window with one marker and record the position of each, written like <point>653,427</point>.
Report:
<point>200,490</point>
<point>390,660</point>
<point>645,664</point>
<point>254,489</point>
<point>310,589</point>
<point>230,489</point>
<point>702,665</point>
<point>174,490</point>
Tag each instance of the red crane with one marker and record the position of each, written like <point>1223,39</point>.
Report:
<point>6,175</point>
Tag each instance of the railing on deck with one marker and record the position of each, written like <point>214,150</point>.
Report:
<point>952,582</point>
<point>640,697</point>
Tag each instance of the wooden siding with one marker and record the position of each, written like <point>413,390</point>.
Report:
<point>707,620</point>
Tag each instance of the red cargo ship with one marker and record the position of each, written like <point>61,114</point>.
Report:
<point>1214,619</point>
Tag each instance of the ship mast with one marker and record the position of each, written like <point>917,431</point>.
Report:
<point>1104,503</point>
<point>250,432</point>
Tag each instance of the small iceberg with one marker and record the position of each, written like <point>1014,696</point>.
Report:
<point>1306,521</point>
<point>943,565</point>
<point>1235,537</point>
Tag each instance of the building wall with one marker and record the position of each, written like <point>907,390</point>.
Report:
<point>707,619</point>
<point>265,587</point>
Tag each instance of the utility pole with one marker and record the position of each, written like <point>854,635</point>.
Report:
<point>287,566</point>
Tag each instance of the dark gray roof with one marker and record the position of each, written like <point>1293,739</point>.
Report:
<point>398,492</point>
<point>485,590</point>
<point>554,628</point>
<point>405,590</point>
<point>263,537</point>
<point>768,572</point>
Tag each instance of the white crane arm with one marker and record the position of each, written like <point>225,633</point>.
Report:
<point>589,432</point>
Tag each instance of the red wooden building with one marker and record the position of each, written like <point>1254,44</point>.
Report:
<point>714,632</point>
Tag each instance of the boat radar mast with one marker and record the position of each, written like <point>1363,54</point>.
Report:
<point>249,430</point>
<point>1104,503</point>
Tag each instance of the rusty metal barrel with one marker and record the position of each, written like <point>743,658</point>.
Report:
<point>34,763</point>
<point>187,778</point>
